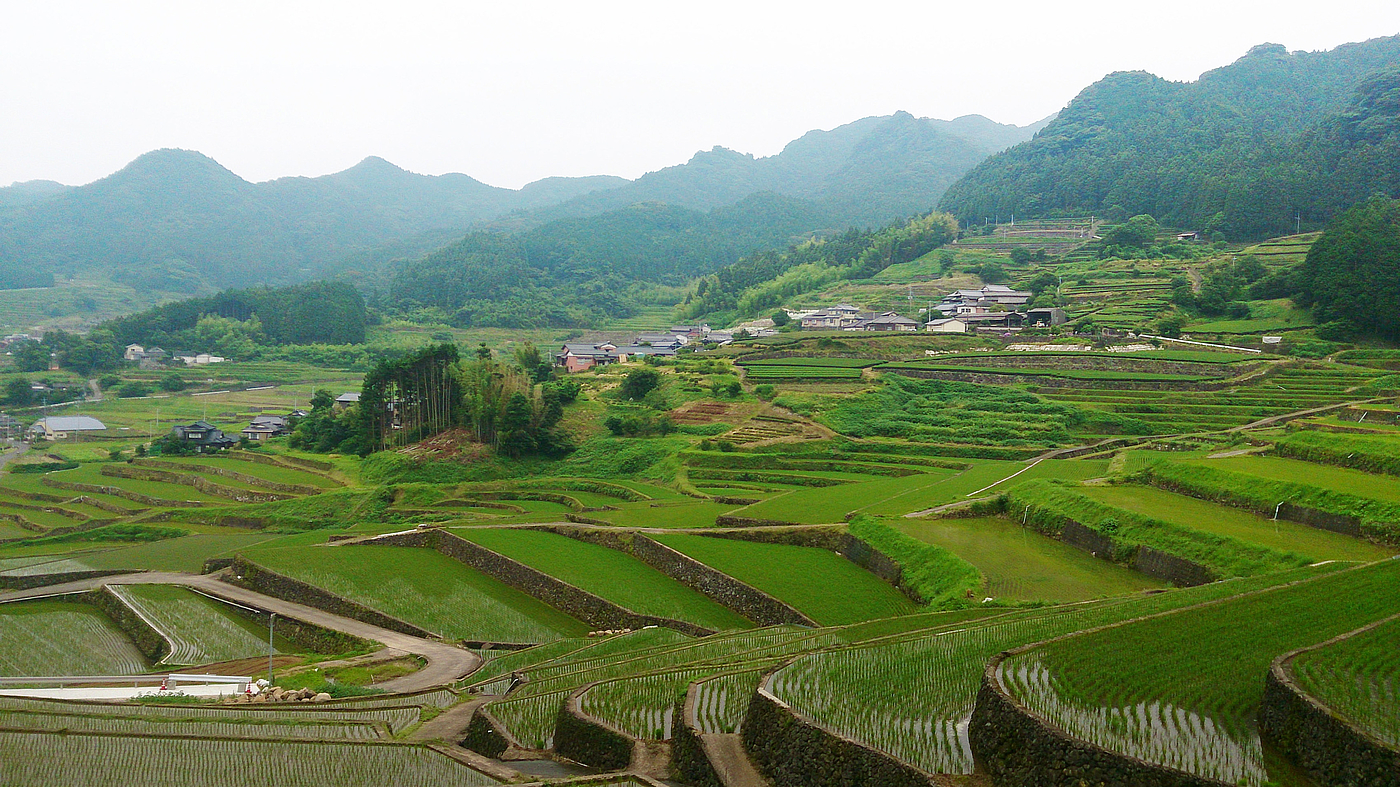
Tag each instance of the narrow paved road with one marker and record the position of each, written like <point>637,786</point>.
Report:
<point>446,663</point>
<point>13,453</point>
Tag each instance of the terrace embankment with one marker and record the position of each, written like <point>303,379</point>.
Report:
<point>707,759</point>
<point>591,609</point>
<point>1330,748</point>
<point>794,752</point>
<point>251,480</point>
<point>252,576</point>
<point>591,741</point>
<point>193,481</point>
<point>1020,749</point>
<point>832,539</point>
<point>752,603</point>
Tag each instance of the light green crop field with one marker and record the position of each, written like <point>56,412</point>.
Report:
<point>32,759</point>
<point>285,475</point>
<point>1341,479</point>
<point>898,496</point>
<point>615,576</point>
<point>722,701</point>
<point>1188,697</point>
<point>939,670</point>
<point>822,585</point>
<point>31,483</point>
<point>54,637</point>
<point>1023,565</point>
<point>1358,677</point>
<point>427,589</point>
<point>199,629</point>
<point>91,474</point>
<point>691,513</point>
<point>1205,516</point>
<point>187,553</point>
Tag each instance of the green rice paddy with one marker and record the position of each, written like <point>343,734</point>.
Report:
<point>58,637</point>
<point>615,576</point>
<point>427,589</point>
<point>199,629</point>
<point>1022,565</point>
<point>822,585</point>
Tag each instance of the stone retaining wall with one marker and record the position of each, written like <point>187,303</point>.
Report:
<point>152,644</point>
<point>264,459</point>
<point>584,739</point>
<point>485,735</point>
<point>1019,749</point>
<point>116,491</point>
<point>729,520</point>
<point>202,484</point>
<point>793,752</point>
<point>689,760</point>
<point>833,539</point>
<point>1062,382</point>
<point>1153,562</point>
<point>251,480</point>
<point>744,599</point>
<point>591,609</point>
<point>1179,571</point>
<point>31,581</point>
<point>1319,740</point>
<point>250,575</point>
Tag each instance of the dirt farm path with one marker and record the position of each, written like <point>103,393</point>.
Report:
<point>446,662</point>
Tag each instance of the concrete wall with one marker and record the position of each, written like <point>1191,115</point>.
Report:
<point>44,580</point>
<point>1019,749</point>
<point>1331,749</point>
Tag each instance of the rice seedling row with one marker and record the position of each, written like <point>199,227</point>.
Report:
<point>1189,696</point>
<point>200,630</point>
<point>125,725</point>
<point>721,701</point>
<point>1358,677</point>
<point>58,637</point>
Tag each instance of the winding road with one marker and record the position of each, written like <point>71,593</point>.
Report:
<point>446,663</point>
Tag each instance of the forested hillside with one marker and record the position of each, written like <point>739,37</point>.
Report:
<point>585,271</point>
<point>177,221</point>
<point>864,173</point>
<point>313,313</point>
<point>1244,151</point>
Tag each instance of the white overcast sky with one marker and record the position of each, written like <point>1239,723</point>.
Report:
<point>516,90</point>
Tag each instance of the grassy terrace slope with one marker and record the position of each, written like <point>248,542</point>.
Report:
<point>1020,564</point>
<point>1208,517</point>
<point>1359,677</point>
<point>1188,697</point>
<point>424,588</point>
<point>615,576</point>
<point>1356,482</point>
<point>911,695</point>
<point>822,585</point>
<point>55,637</point>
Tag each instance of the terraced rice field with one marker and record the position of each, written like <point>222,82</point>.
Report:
<point>56,637</point>
<point>1189,696</point>
<point>276,473</point>
<point>1356,482</point>
<point>427,589</point>
<point>1208,517</point>
<point>1022,565</point>
<point>822,585</point>
<point>91,474</point>
<point>186,553</point>
<point>96,721</point>
<point>616,576</point>
<point>721,701</point>
<point>199,629</point>
<point>84,758</point>
<point>1358,677</point>
<point>643,706</point>
<point>938,672</point>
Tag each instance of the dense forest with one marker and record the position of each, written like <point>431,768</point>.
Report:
<point>1351,276</point>
<point>586,271</point>
<point>1246,151</point>
<point>765,280</point>
<point>312,313</point>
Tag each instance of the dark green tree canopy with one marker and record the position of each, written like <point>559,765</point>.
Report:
<point>1352,273</point>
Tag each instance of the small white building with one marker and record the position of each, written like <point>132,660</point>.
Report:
<point>946,325</point>
<point>59,427</point>
<point>134,352</point>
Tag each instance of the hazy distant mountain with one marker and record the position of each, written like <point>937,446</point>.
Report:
<point>1243,150</point>
<point>865,172</point>
<point>176,220</point>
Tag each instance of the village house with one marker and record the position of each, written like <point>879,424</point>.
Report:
<point>60,427</point>
<point>889,321</point>
<point>203,437</point>
<point>264,426</point>
<point>946,325</point>
<point>346,399</point>
<point>578,357</point>
<point>988,299</point>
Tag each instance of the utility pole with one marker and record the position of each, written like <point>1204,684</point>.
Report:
<point>271,619</point>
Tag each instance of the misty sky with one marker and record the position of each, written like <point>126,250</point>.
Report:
<point>509,92</point>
